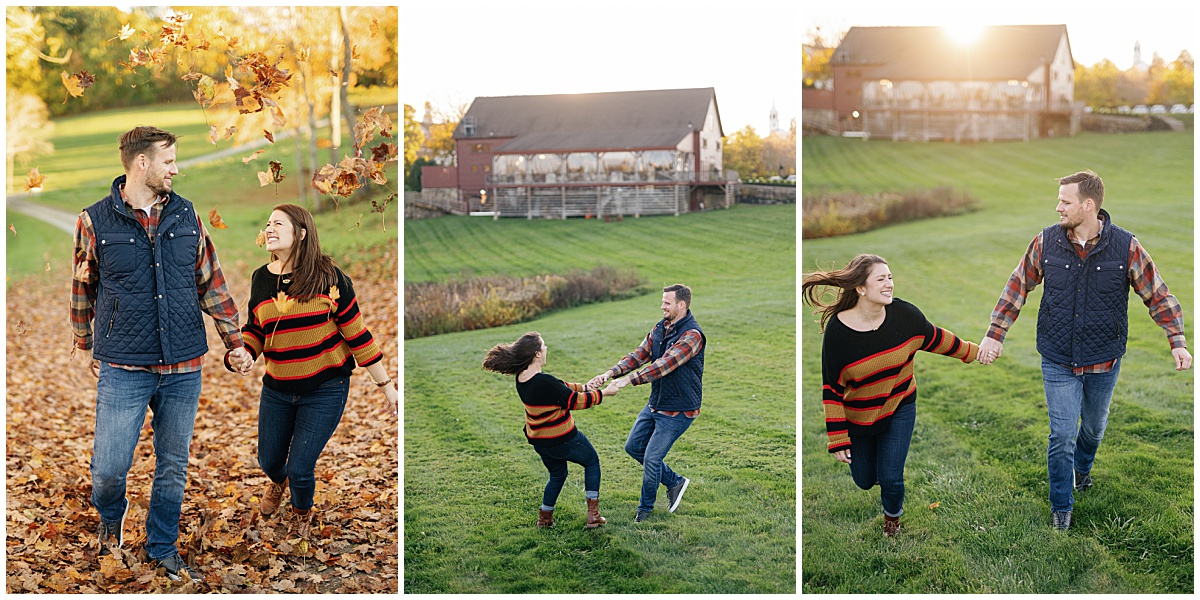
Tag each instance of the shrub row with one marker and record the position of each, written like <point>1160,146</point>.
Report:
<point>829,215</point>
<point>435,308</point>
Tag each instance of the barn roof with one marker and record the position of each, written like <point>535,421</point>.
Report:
<point>606,120</point>
<point>928,53</point>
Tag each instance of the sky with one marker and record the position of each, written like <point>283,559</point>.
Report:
<point>454,50</point>
<point>1096,30</point>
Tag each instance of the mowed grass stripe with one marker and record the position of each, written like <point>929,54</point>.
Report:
<point>980,443</point>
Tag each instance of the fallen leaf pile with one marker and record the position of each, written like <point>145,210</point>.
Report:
<point>51,526</point>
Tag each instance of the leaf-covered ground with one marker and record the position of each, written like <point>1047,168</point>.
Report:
<point>51,541</point>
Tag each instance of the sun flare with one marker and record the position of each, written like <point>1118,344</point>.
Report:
<point>964,33</point>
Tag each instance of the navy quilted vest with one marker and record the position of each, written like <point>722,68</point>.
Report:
<point>1084,315</point>
<point>683,388</point>
<point>147,305</point>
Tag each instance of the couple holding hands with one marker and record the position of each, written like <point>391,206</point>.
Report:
<point>673,358</point>
<point>145,269</point>
<point>1087,265</point>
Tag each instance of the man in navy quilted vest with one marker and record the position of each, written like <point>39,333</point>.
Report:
<point>1088,265</point>
<point>145,270</point>
<point>674,349</point>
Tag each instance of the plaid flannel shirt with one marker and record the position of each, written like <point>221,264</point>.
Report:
<point>1143,276</point>
<point>210,285</point>
<point>687,346</point>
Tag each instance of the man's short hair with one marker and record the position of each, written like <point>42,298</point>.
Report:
<point>143,139</point>
<point>1090,185</point>
<point>683,293</point>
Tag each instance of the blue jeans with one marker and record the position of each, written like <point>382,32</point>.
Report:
<point>1078,410</point>
<point>578,451</point>
<point>293,430</point>
<point>651,438</point>
<point>880,458</point>
<point>121,400</point>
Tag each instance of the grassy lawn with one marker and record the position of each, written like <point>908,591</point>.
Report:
<point>979,448</point>
<point>86,161</point>
<point>473,485</point>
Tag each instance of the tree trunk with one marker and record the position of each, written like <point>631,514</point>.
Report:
<point>344,85</point>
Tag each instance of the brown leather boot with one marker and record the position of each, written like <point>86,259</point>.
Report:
<point>303,521</point>
<point>545,518</point>
<point>594,519</point>
<point>891,525</point>
<point>272,497</point>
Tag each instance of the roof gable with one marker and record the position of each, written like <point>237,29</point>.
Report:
<point>639,119</point>
<point>927,53</point>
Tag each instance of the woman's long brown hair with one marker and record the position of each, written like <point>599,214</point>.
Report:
<point>511,359</point>
<point>313,271</point>
<point>814,285</point>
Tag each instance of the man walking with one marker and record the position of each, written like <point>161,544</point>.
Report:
<point>674,349</point>
<point>145,268</point>
<point>1088,265</point>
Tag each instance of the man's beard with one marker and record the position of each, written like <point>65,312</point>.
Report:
<point>160,188</point>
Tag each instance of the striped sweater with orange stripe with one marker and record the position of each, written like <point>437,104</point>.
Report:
<point>306,342</point>
<point>548,404</point>
<point>869,374</point>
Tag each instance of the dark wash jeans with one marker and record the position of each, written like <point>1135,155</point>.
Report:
<point>293,430</point>
<point>578,451</point>
<point>880,458</point>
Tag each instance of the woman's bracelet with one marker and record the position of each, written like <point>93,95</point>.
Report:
<point>383,383</point>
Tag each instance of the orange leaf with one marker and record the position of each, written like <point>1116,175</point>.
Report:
<point>374,27</point>
<point>34,180</point>
<point>261,240</point>
<point>256,154</point>
<point>934,505</point>
<point>13,228</point>
<point>216,219</point>
<point>282,303</point>
<point>267,134</point>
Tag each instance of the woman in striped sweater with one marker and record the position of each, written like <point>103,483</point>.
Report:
<point>304,320</point>
<point>549,426</point>
<point>869,389</point>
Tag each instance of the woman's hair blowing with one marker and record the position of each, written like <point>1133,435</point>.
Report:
<point>846,280</point>
<point>511,359</point>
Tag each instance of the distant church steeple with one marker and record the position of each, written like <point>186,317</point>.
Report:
<point>774,119</point>
<point>1137,57</point>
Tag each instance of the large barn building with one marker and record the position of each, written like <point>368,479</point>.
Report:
<point>919,83</point>
<point>602,154</point>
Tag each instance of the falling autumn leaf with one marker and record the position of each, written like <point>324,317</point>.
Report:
<point>261,239</point>
<point>354,53</point>
<point>302,54</point>
<point>12,228</point>
<point>357,223</point>
<point>33,181</point>
<point>215,219</point>
<point>126,32</point>
<point>212,134</point>
<point>276,171</point>
<point>78,82</point>
<point>229,131</point>
<point>264,179</point>
<point>247,159</point>
<point>282,303</point>
<point>270,137</point>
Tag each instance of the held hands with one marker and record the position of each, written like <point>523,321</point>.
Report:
<point>240,360</point>
<point>597,381</point>
<point>989,350</point>
<point>843,455</point>
<point>615,386</point>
